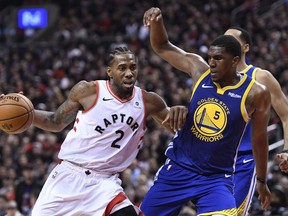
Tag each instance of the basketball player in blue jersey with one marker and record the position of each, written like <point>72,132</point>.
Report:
<point>202,155</point>
<point>244,176</point>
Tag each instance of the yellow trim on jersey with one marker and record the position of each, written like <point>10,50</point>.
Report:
<point>227,212</point>
<point>199,80</point>
<point>253,72</point>
<point>241,208</point>
<point>226,88</point>
<point>243,109</point>
<point>246,69</point>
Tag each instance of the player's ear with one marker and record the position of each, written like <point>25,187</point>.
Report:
<point>246,48</point>
<point>109,72</point>
<point>235,61</point>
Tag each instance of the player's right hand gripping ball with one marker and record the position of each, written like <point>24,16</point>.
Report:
<point>16,113</point>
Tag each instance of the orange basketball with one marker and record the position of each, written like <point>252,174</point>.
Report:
<point>16,113</point>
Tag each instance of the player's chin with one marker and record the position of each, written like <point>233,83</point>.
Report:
<point>128,86</point>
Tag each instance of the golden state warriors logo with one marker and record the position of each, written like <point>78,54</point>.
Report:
<point>210,119</point>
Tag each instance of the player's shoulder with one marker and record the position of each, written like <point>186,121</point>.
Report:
<point>263,76</point>
<point>82,89</point>
<point>266,78</point>
<point>150,96</point>
<point>84,84</point>
<point>258,96</point>
<point>258,87</point>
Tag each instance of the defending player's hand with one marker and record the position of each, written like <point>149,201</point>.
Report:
<point>176,117</point>
<point>264,195</point>
<point>283,161</point>
<point>153,14</point>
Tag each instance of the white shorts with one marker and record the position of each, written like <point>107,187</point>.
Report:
<point>73,191</point>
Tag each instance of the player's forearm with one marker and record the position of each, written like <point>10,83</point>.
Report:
<point>285,130</point>
<point>47,121</point>
<point>158,35</point>
<point>260,152</point>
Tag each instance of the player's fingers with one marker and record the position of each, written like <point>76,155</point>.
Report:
<point>279,156</point>
<point>158,17</point>
<point>265,203</point>
<point>177,121</point>
<point>148,17</point>
<point>173,113</point>
<point>151,15</point>
<point>21,92</point>
<point>181,117</point>
<point>166,119</point>
<point>283,165</point>
<point>184,116</point>
<point>145,19</point>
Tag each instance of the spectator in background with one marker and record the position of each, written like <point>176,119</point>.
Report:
<point>12,209</point>
<point>24,188</point>
<point>3,205</point>
<point>50,64</point>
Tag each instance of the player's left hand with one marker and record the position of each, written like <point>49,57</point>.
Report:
<point>153,14</point>
<point>264,195</point>
<point>282,158</point>
<point>176,117</point>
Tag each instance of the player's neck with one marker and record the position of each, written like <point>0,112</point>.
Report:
<point>241,65</point>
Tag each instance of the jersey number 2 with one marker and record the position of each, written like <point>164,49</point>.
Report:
<point>120,134</point>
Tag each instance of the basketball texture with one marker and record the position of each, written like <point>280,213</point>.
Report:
<point>16,113</point>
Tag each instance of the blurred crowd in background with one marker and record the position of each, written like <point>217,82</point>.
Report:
<point>76,47</point>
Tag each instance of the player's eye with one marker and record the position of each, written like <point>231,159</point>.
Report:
<point>121,68</point>
<point>133,68</point>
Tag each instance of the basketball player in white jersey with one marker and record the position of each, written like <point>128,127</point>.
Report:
<point>109,125</point>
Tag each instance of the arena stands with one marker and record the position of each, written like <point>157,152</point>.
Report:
<point>74,47</point>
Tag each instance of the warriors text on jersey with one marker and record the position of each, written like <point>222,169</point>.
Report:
<point>107,136</point>
<point>208,142</point>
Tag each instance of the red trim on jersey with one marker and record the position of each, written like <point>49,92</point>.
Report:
<point>116,97</point>
<point>96,97</point>
<point>145,113</point>
<point>118,199</point>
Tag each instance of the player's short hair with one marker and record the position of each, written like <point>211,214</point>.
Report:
<point>117,51</point>
<point>230,44</point>
<point>244,35</point>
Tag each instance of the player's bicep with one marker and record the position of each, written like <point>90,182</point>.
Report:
<point>261,114</point>
<point>278,98</point>
<point>156,106</point>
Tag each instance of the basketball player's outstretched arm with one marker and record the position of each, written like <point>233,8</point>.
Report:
<point>190,63</point>
<point>171,118</point>
<point>258,107</point>
<point>66,113</point>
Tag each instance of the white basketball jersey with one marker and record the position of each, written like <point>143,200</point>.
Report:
<point>107,136</point>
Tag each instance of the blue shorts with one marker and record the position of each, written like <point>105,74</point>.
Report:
<point>245,182</point>
<point>174,186</point>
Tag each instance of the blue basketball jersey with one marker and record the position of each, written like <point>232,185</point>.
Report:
<point>208,141</point>
<point>246,145</point>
